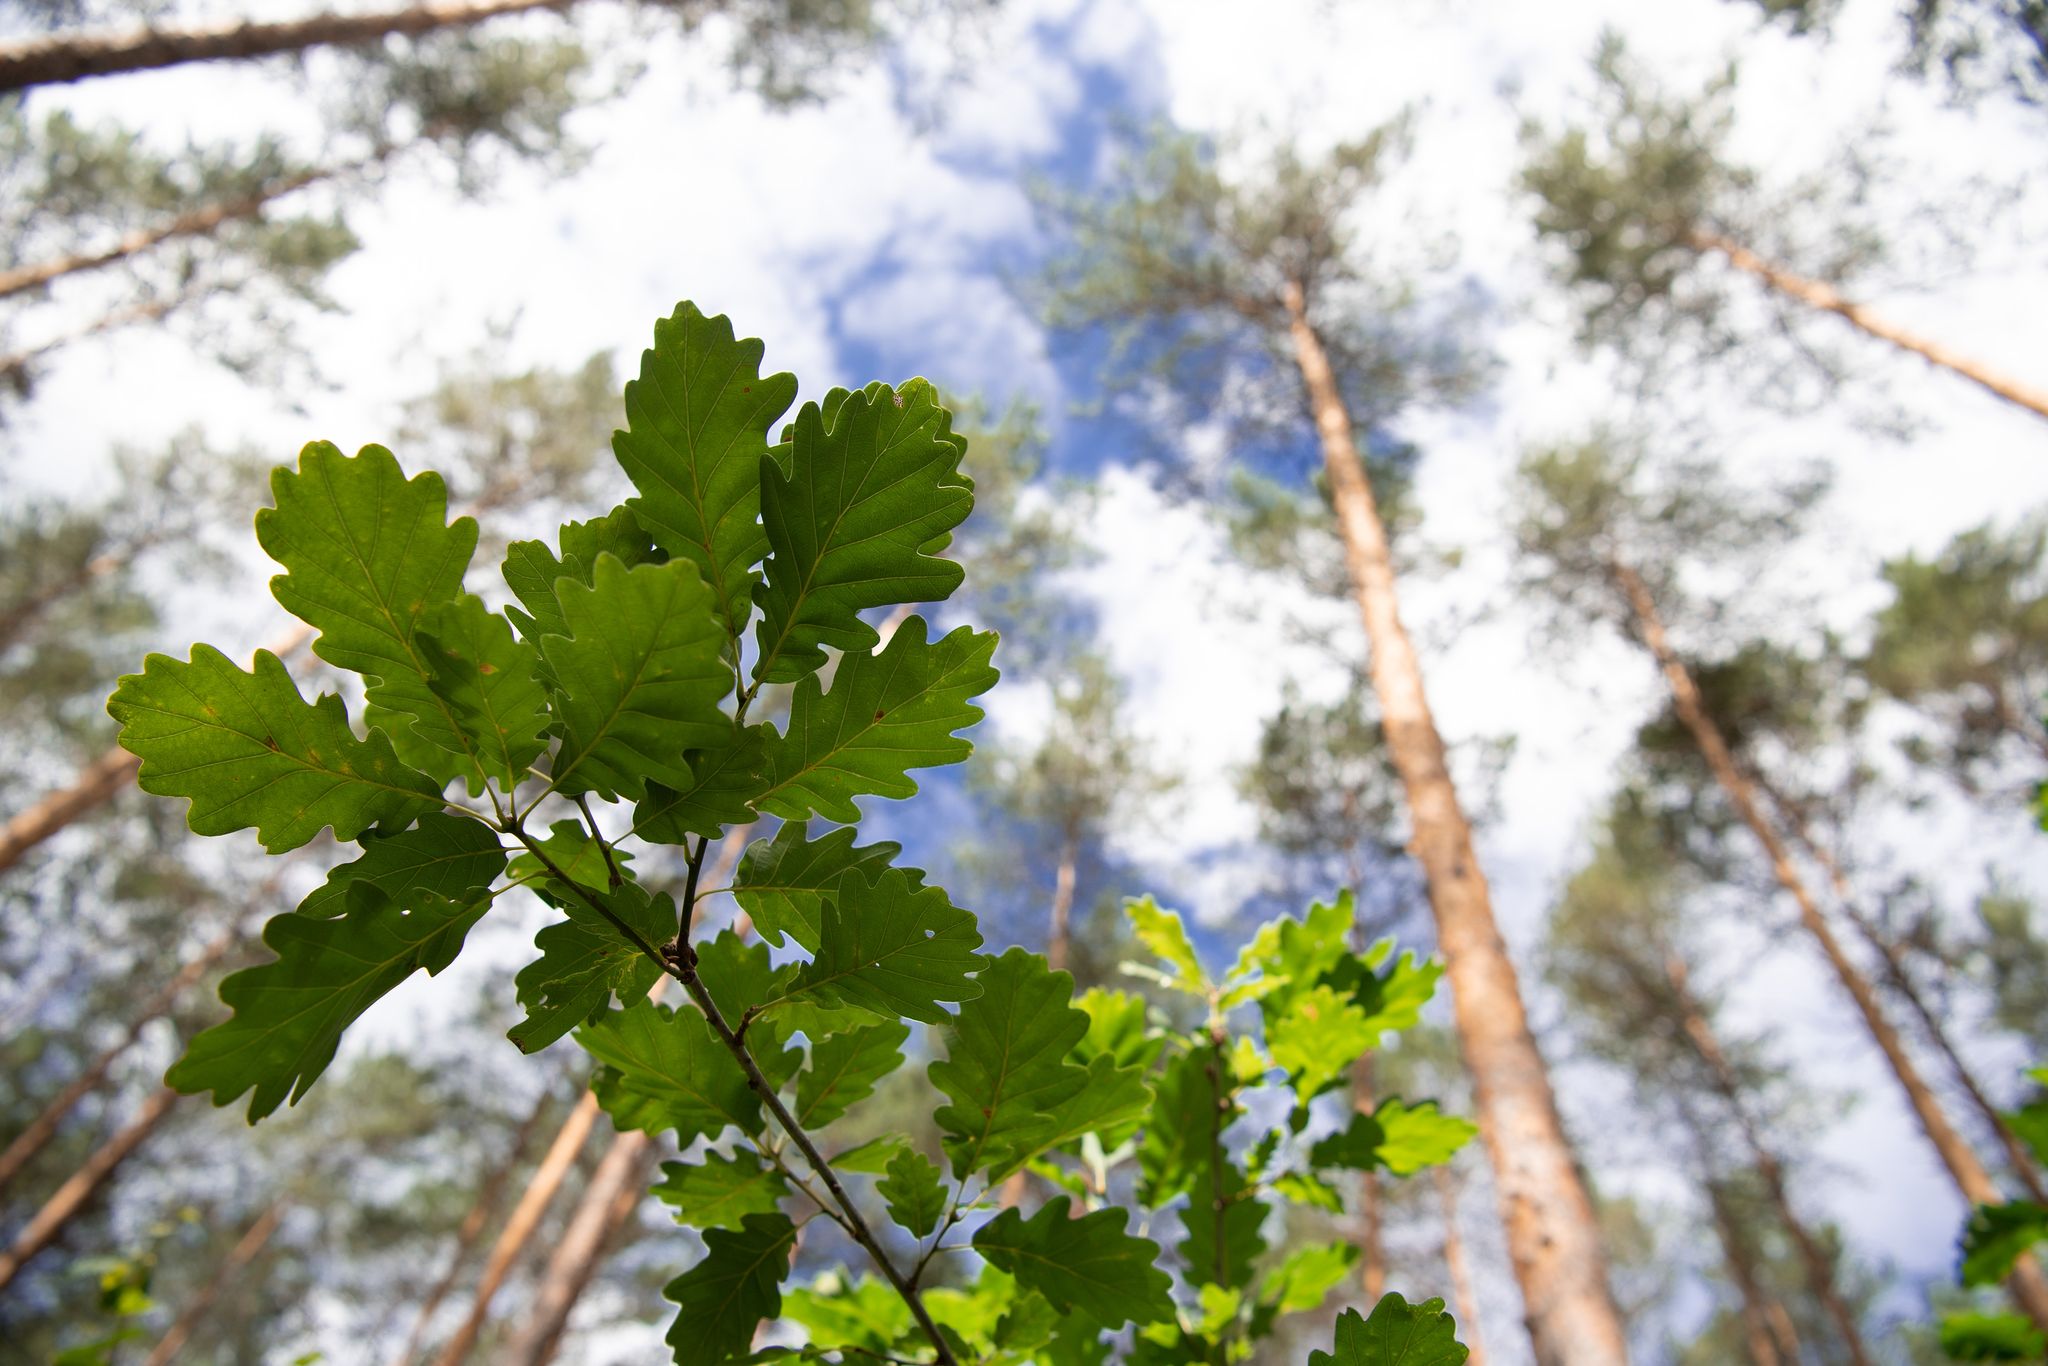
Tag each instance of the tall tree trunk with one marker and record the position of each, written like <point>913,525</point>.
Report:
<point>1813,1258</point>
<point>195,223</point>
<point>2027,1284</point>
<point>79,1187</point>
<point>43,1127</point>
<point>244,1252</point>
<point>1059,937</point>
<point>525,1218</point>
<point>2020,1160</point>
<point>1758,1328</point>
<point>99,782</point>
<point>78,56</point>
<point>1372,1248</point>
<point>489,1197</point>
<point>1821,295</point>
<point>1552,1235</point>
<point>1462,1293</point>
<point>613,1195</point>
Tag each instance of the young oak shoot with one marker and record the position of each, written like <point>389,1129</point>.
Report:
<point>624,678</point>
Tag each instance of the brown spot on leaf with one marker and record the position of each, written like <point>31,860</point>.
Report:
<point>879,714</point>
<point>486,668</point>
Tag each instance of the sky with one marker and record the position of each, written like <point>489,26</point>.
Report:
<point>889,231</point>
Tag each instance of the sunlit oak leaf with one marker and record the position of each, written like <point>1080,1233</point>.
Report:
<point>249,751</point>
<point>868,491</point>
<point>697,423</point>
<point>885,715</point>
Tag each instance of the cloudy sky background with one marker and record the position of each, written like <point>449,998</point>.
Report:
<point>887,232</point>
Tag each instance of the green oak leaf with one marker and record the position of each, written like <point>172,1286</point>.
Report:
<point>1287,956</point>
<point>720,1192</point>
<point>867,1315</point>
<point>1191,1104</point>
<point>290,1013</point>
<point>1397,1334</point>
<point>887,946</point>
<point>576,856</point>
<point>1116,1029</point>
<point>850,522</point>
<point>1996,1236</point>
<point>248,750</point>
<point>784,883</point>
<point>532,570</point>
<point>585,962</point>
<point>446,855</point>
<point>1223,1224</point>
<point>1006,1069</point>
<point>1086,1265</point>
<point>885,715</point>
<point>665,1069</point>
<point>367,552</point>
<point>738,976</point>
<point>870,1158</point>
<point>915,1196</point>
<point>1306,1188</point>
<point>1395,1137</point>
<point>697,425</point>
<point>1971,1336</point>
<point>1307,1275</point>
<point>844,1069</point>
<point>1318,1037</point>
<point>638,680</point>
<point>723,784</point>
<point>724,1298</point>
<point>495,710</point>
<point>1161,932</point>
<point>1112,1104</point>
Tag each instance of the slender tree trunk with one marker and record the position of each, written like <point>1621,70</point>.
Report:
<point>1552,1235</point>
<point>43,1127</point>
<point>2028,1286</point>
<point>196,223</point>
<point>1372,1249</point>
<point>1819,1267</point>
<point>1757,1327</point>
<point>99,782</point>
<point>14,366</point>
<point>78,56</point>
<point>79,1187</point>
<point>1060,937</point>
<point>525,1218</point>
<point>1462,1293</point>
<point>613,1195</point>
<point>489,1197</point>
<point>1818,294</point>
<point>244,1252</point>
<point>2018,1157</point>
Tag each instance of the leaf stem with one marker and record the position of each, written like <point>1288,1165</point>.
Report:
<point>688,915</point>
<point>856,1227</point>
<point>611,868</point>
<point>582,893</point>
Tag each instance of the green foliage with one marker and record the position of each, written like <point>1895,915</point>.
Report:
<point>614,688</point>
<point>1396,1334</point>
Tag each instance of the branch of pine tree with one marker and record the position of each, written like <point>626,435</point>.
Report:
<point>63,58</point>
<point>47,1222</point>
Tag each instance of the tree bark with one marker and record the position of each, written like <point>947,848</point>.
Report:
<point>99,782</point>
<point>43,1127</point>
<point>613,1195</point>
<point>1462,1293</point>
<point>62,58</point>
<point>1821,295</point>
<point>2027,1284</point>
<point>1819,1268</point>
<point>1552,1235</point>
<point>525,1218</point>
<point>1059,938</point>
<point>1372,1250</point>
<point>489,1197</point>
<point>1764,1345</point>
<point>244,1252</point>
<point>2018,1157</point>
<point>79,1187</point>
<point>196,223</point>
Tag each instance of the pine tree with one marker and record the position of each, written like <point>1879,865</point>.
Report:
<point>1638,203</point>
<point>1604,542</point>
<point>1263,271</point>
